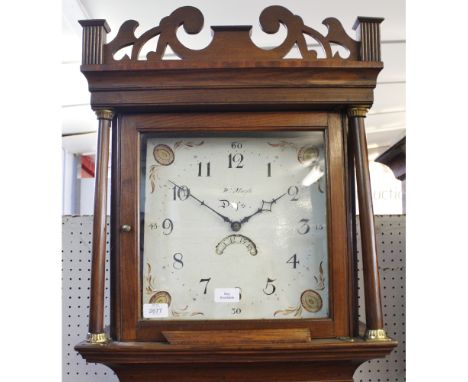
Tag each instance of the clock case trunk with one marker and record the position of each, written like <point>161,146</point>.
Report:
<point>238,86</point>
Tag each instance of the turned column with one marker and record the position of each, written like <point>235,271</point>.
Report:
<point>98,263</point>
<point>374,317</point>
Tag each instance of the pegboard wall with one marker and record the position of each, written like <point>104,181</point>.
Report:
<point>77,232</point>
<point>76,269</point>
<point>391,244</point>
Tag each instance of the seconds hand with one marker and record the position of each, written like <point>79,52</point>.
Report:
<point>226,219</point>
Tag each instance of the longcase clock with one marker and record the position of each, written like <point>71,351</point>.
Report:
<point>233,246</point>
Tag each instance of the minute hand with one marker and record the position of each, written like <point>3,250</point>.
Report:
<point>266,207</point>
<point>225,218</point>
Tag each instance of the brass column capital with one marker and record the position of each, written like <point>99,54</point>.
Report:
<point>105,114</point>
<point>97,338</point>
<point>358,111</point>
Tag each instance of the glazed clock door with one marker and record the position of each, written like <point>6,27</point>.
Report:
<point>232,217</point>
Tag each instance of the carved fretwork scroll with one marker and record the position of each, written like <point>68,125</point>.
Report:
<point>231,43</point>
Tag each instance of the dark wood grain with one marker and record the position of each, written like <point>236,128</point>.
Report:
<point>228,100</point>
<point>337,371</point>
<point>368,29</point>
<point>162,352</point>
<point>94,38</point>
<point>337,228</point>
<point>237,337</point>
<point>128,245</point>
<point>373,304</point>
<point>133,327</point>
<point>229,88</point>
<point>114,232</point>
<point>317,360</point>
<point>231,43</point>
<point>98,264</point>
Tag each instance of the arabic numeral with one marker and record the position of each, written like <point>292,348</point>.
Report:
<point>206,285</point>
<point>168,226</point>
<point>269,170</point>
<point>181,193</point>
<point>236,311</point>
<point>293,192</point>
<point>270,288</point>
<point>178,263</point>
<point>293,260</point>
<point>240,293</point>
<point>200,169</point>
<point>236,160</point>
<point>236,145</point>
<point>304,226</point>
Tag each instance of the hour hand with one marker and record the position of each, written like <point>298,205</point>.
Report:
<point>202,203</point>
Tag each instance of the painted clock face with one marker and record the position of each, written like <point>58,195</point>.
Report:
<point>234,226</point>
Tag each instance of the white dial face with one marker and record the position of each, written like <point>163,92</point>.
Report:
<point>234,227</point>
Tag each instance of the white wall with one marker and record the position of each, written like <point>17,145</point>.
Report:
<point>69,172</point>
<point>77,193</point>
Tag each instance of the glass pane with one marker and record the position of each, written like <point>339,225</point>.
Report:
<point>234,226</point>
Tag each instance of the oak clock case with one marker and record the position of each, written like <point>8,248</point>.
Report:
<point>234,170</point>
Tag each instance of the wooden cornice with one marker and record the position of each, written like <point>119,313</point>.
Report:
<point>231,72</point>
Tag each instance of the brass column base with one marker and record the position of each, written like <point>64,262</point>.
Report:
<point>376,335</point>
<point>97,338</point>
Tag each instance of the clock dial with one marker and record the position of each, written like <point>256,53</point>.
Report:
<point>234,226</point>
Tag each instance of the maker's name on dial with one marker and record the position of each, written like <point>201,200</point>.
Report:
<point>237,190</point>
